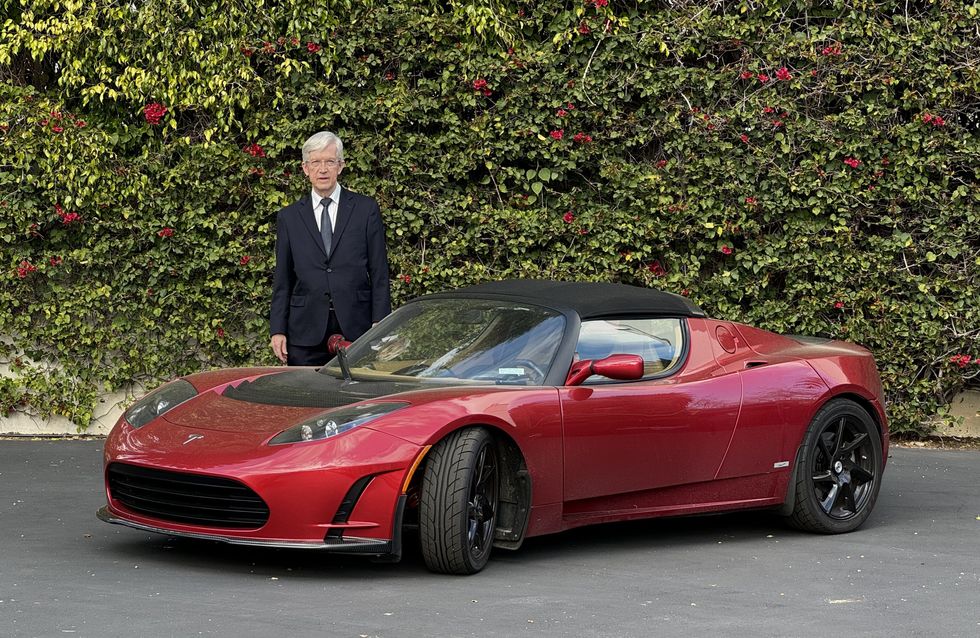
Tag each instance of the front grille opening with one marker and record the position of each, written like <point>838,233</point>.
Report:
<point>192,499</point>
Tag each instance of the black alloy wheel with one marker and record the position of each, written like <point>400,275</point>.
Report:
<point>458,507</point>
<point>839,468</point>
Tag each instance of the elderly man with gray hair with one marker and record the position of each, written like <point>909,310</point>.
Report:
<point>331,262</point>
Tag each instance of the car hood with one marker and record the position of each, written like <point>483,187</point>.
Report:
<point>271,403</point>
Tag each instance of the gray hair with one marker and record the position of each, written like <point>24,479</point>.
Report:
<point>320,141</point>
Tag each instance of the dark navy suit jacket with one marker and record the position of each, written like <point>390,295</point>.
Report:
<point>355,277</point>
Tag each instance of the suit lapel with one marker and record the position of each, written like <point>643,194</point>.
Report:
<point>345,210</point>
<point>308,215</point>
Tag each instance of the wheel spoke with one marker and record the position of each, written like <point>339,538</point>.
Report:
<point>480,468</point>
<point>858,440</point>
<point>860,476</point>
<point>847,498</point>
<point>828,503</point>
<point>840,438</point>
<point>825,450</point>
<point>471,527</point>
<point>823,477</point>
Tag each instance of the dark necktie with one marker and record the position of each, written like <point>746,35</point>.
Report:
<point>325,231</point>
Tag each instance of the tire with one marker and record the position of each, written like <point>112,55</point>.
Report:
<point>458,506</point>
<point>838,470</point>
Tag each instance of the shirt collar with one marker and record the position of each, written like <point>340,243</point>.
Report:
<point>334,196</point>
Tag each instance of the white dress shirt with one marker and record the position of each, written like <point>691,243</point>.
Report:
<point>334,203</point>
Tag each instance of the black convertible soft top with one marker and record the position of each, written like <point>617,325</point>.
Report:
<point>589,299</point>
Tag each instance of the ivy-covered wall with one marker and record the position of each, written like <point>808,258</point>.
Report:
<point>805,166</point>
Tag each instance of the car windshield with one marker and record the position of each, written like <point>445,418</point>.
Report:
<point>459,340</point>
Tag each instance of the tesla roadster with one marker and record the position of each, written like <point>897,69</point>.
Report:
<point>490,414</point>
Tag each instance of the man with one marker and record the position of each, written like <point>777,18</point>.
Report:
<point>331,262</point>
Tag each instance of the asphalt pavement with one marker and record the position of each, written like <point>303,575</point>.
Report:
<point>912,570</point>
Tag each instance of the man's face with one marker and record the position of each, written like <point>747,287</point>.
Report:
<point>323,168</point>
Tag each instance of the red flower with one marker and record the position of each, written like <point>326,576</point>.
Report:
<point>221,333</point>
<point>962,360</point>
<point>246,51</point>
<point>832,50</point>
<point>751,201</point>
<point>313,47</point>
<point>67,218</point>
<point>153,112</point>
<point>777,123</point>
<point>570,106</point>
<point>852,162</point>
<point>557,134</point>
<point>244,260</point>
<point>813,73</point>
<point>57,129</point>
<point>268,47</point>
<point>656,268</point>
<point>80,123</point>
<point>561,113</point>
<point>661,163</point>
<point>599,3</point>
<point>747,75</point>
<point>768,109</point>
<point>582,138</point>
<point>938,121</point>
<point>406,278</point>
<point>838,304</point>
<point>254,150</point>
<point>726,250</point>
<point>55,261</point>
<point>584,29</point>
<point>783,74</point>
<point>389,76</point>
<point>744,138</point>
<point>294,41</point>
<point>763,78</point>
<point>686,292</point>
<point>568,217</point>
<point>479,84</point>
<point>166,231</point>
<point>25,269</point>
<point>583,231</point>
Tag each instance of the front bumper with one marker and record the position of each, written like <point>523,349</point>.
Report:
<point>343,545</point>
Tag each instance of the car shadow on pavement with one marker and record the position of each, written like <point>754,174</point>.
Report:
<point>606,541</point>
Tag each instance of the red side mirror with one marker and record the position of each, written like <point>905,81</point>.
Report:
<point>336,341</point>
<point>622,367</point>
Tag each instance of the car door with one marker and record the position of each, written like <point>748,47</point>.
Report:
<point>664,430</point>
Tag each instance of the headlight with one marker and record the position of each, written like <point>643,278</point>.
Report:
<point>159,401</point>
<point>333,423</point>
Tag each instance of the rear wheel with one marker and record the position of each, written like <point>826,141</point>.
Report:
<point>838,471</point>
<point>458,506</point>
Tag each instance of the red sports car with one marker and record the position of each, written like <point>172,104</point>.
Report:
<point>502,411</point>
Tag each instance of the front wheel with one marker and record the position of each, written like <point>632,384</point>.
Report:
<point>458,505</point>
<point>838,471</point>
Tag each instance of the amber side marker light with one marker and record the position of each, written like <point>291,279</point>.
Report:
<point>415,465</point>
